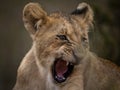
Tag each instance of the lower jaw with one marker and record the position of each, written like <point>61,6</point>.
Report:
<point>61,79</point>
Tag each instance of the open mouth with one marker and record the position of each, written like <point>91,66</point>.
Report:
<point>61,70</point>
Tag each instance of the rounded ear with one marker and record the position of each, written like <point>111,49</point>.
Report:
<point>84,13</point>
<point>32,13</point>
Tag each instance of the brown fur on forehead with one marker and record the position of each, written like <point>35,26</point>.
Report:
<point>60,21</point>
<point>61,24</point>
<point>57,15</point>
<point>76,23</point>
<point>65,19</point>
<point>68,26</point>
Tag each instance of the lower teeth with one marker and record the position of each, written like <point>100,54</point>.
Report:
<point>61,78</point>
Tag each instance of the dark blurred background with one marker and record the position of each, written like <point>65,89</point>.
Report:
<point>15,41</point>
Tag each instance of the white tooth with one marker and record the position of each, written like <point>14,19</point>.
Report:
<point>67,63</point>
<point>56,77</point>
<point>63,78</point>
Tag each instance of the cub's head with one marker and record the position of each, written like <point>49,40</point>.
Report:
<point>60,41</point>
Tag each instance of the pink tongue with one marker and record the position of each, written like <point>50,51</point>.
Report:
<point>61,67</point>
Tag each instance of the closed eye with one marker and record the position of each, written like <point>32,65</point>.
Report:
<point>62,37</point>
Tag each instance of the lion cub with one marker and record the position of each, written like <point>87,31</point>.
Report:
<point>60,58</point>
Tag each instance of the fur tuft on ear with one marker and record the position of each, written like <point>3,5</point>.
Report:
<point>32,13</point>
<point>84,13</point>
<point>80,10</point>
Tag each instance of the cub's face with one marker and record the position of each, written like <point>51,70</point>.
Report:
<point>60,42</point>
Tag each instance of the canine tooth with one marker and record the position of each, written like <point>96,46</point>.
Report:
<point>67,63</point>
<point>56,77</point>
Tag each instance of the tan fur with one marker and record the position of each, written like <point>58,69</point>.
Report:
<point>90,72</point>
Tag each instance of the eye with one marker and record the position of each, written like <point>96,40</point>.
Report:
<point>84,39</point>
<point>62,37</point>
